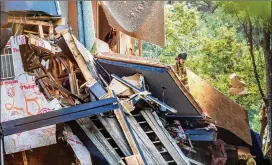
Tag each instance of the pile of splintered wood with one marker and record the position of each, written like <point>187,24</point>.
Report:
<point>65,70</point>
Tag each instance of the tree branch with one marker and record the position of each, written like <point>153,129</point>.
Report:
<point>250,41</point>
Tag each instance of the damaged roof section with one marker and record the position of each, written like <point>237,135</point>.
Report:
<point>161,80</point>
<point>223,111</point>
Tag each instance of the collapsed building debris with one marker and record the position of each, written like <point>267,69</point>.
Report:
<point>111,108</point>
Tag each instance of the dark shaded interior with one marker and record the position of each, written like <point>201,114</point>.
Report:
<point>156,79</point>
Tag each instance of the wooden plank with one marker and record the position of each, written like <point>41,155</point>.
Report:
<point>33,32</point>
<point>51,32</point>
<point>41,44</point>
<point>128,134</point>
<point>140,46</point>
<point>151,154</point>
<point>24,158</point>
<point>73,17</point>
<point>78,57</point>
<point>41,31</point>
<point>60,21</point>
<point>29,22</point>
<point>129,59</point>
<point>99,141</point>
<point>42,84</point>
<point>132,160</point>
<point>45,18</point>
<point>112,126</point>
<point>72,78</point>
<point>56,85</point>
<point>165,138</point>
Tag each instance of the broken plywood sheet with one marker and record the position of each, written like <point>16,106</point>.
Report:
<point>20,98</point>
<point>223,111</point>
<point>120,88</point>
<point>41,44</point>
<point>73,48</point>
<point>158,77</point>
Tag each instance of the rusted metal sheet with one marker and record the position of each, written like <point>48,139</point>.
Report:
<point>223,111</point>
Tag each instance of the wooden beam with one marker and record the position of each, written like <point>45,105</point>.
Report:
<point>60,21</point>
<point>41,31</point>
<point>78,56</point>
<point>56,85</point>
<point>150,152</point>
<point>41,44</point>
<point>33,32</point>
<point>140,47</point>
<point>99,141</point>
<point>45,18</point>
<point>18,28</point>
<point>132,160</point>
<point>29,22</point>
<point>24,158</point>
<point>116,133</point>
<point>51,32</point>
<point>132,43</point>
<point>128,134</point>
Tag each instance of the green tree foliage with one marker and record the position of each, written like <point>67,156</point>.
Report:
<point>216,48</point>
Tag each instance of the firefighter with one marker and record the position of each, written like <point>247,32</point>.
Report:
<point>180,69</point>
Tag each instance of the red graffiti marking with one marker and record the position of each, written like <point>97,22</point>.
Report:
<point>11,94</point>
<point>8,44</point>
<point>15,113</point>
<point>44,110</point>
<point>75,141</point>
<point>25,87</point>
<point>27,100</point>
<point>11,82</point>
<point>18,134</point>
<point>15,50</point>
<point>23,41</point>
<point>41,43</point>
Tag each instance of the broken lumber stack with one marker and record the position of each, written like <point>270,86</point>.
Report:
<point>110,108</point>
<point>65,73</point>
